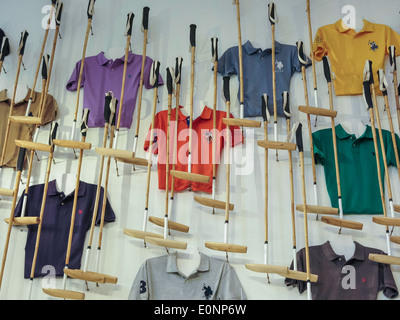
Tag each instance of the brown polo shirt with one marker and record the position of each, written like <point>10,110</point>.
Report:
<point>356,279</point>
<point>22,131</point>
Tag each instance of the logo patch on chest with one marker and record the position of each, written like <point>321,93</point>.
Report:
<point>373,45</point>
<point>207,292</point>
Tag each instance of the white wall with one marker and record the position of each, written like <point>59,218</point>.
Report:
<point>169,38</point>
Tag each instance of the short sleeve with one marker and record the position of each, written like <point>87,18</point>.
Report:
<point>139,289</point>
<point>72,83</point>
<point>146,74</point>
<point>320,46</point>
<point>387,283</point>
<point>109,215</point>
<point>390,150</point>
<point>227,62</point>
<point>301,267</point>
<point>230,287</point>
<point>319,148</point>
<point>50,110</point>
<point>392,39</point>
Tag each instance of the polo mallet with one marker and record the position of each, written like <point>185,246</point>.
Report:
<point>4,48</point>
<point>368,85</point>
<point>49,66</point>
<point>213,203</point>
<point>367,93</point>
<point>266,117</point>
<point>225,246</point>
<point>288,115</point>
<point>166,223</point>
<point>189,176</point>
<point>177,78</point>
<point>145,30</point>
<point>393,69</point>
<point>303,60</point>
<point>20,167</point>
<point>130,158</point>
<point>32,152</point>
<point>242,122</point>
<point>128,34</point>
<point>24,221</point>
<point>314,209</point>
<point>82,145</point>
<point>273,19</point>
<point>283,270</point>
<point>266,144</point>
<point>141,234</point>
<point>306,109</point>
<point>383,87</point>
<point>109,117</point>
<point>340,222</point>
<point>21,51</point>
<point>310,34</point>
<point>90,13</point>
<point>46,34</point>
<point>299,141</point>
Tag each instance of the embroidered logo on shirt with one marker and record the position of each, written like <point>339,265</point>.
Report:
<point>373,45</point>
<point>209,137</point>
<point>142,287</point>
<point>318,39</point>
<point>80,211</point>
<point>207,292</point>
<point>188,121</point>
<point>279,66</point>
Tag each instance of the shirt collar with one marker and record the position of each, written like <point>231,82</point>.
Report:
<point>4,97</point>
<point>342,27</point>
<point>207,113</point>
<point>172,266</point>
<point>102,59</point>
<point>331,255</point>
<point>52,189</point>
<point>251,50</point>
<point>342,134</point>
<point>181,116</point>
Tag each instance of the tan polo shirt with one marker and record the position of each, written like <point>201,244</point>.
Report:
<point>21,131</point>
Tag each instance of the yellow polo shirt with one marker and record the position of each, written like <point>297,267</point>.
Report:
<point>348,50</point>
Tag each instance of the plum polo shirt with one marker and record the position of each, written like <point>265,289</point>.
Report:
<point>160,279</point>
<point>357,167</point>
<point>101,75</point>
<point>202,138</point>
<point>359,278</point>
<point>56,223</point>
<point>257,74</point>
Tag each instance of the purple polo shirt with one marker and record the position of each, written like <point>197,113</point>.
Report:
<point>56,223</point>
<point>356,279</point>
<point>101,75</point>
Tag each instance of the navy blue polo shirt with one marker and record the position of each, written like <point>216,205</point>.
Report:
<point>257,74</point>
<point>56,224</point>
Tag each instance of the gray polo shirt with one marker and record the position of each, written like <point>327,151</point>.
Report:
<point>356,279</point>
<point>257,74</point>
<point>159,279</point>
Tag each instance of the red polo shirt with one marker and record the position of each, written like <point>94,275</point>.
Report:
<point>202,137</point>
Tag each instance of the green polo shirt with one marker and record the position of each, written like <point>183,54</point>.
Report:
<point>357,166</point>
